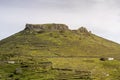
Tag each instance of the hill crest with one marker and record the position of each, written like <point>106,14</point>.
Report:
<point>57,40</point>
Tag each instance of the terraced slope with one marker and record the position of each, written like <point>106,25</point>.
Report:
<point>55,51</point>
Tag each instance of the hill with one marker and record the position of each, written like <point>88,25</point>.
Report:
<point>55,51</point>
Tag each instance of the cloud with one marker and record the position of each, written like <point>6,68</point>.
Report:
<point>102,17</point>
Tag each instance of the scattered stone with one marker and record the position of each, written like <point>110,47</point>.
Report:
<point>45,65</point>
<point>11,62</point>
<point>18,71</point>
<point>105,59</point>
<point>110,59</point>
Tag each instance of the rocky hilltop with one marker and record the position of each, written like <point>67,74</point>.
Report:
<point>46,27</point>
<point>54,52</point>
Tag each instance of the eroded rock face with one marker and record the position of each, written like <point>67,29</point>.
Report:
<point>46,27</point>
<point>83,30</point>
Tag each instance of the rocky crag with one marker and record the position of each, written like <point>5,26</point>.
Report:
<point>46,27</point>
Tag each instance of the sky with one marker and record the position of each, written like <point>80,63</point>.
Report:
<point>102,17</point>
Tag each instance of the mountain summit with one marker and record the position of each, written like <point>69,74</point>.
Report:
<point>57,40</point>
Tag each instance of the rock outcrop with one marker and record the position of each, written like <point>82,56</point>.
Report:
<point>83,30</point>
<point>46,27</point>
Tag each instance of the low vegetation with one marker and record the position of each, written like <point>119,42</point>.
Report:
<point>58,54</point>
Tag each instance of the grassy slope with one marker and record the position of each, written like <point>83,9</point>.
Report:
<point>57,43</point>
<point>100,70</point>
<point>24,45</point>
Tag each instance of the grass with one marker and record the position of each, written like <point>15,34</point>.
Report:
<point>76,50</point>
<point>101,70</point>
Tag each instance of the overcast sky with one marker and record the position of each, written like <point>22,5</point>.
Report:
<point>102,17</point>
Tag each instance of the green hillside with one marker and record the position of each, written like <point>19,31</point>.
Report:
<point>54,52</point>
